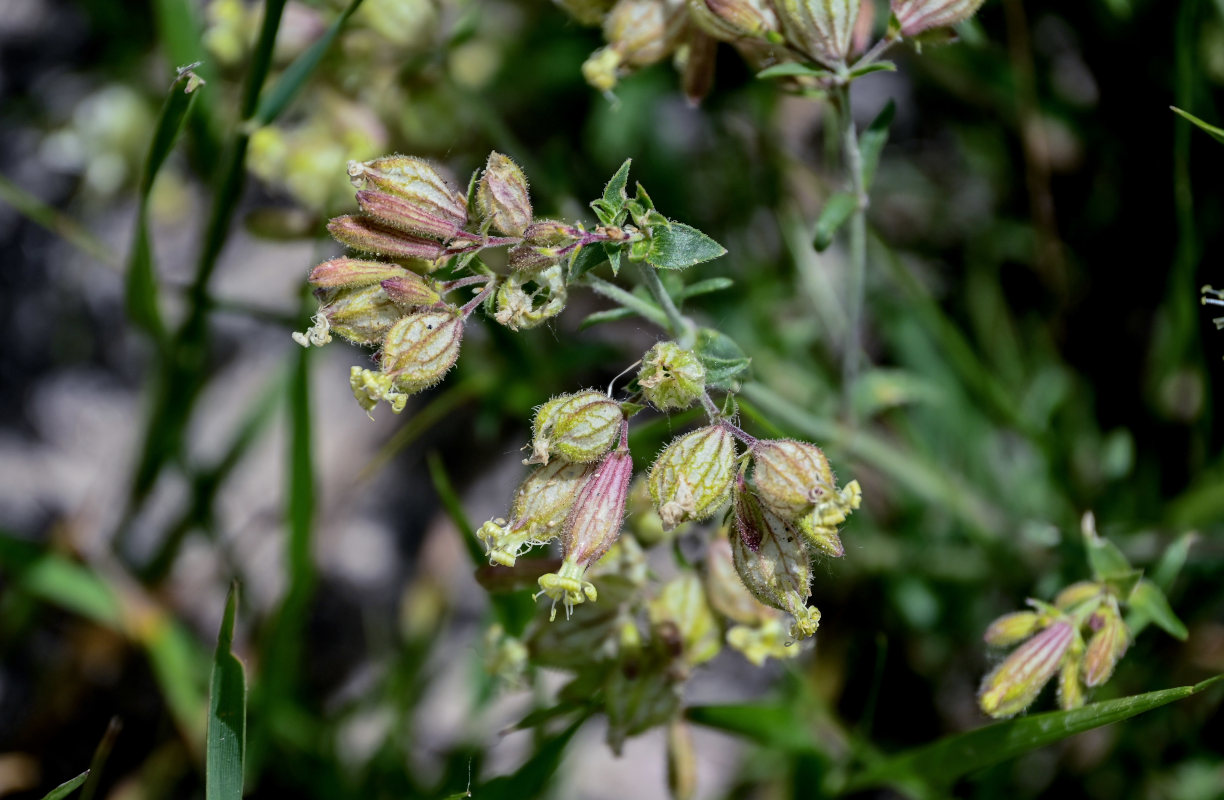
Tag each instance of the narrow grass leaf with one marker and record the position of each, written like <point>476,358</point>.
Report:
<point>101,755</point>
<point>940,764</point>
<point>291,81</point>
<point>793,69</point>
<point>225,756</point>
<point>453,507</point>
<point>67,787</point>
<point>871,143</point>
<point>837,209</point>
<point>1211,130</point>
<point>57,223</point>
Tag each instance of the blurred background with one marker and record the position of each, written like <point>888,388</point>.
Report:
<point>1041,224</point>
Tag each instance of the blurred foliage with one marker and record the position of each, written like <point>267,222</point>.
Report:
<point>1040,226</point>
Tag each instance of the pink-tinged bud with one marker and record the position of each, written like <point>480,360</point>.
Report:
<point>544,244</point>
<point>916,16</point>
<point>1011,628</point>
<point>413,180</point>
<point>541,506</point>
<point>1016,682</point>
<point>692,477</point>
<point>362,314</point>
<point>791,477</point>
<point>502,196</point>
<point>729,20</point>
<point>823,29</point>
<point>1077,593</point>
<point>397,212</point>
<point>772,561</point>
<point>410,290</point>
<point>593,524</point>
<point>367,236</point>
<point>1106,647</point>
<point>576,427</point>
<point>354,273</point>
<point>421,348</point>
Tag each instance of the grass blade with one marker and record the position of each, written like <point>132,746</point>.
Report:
<point>224,757</point>
<point>291,81</point>
<point>1211,130</point>
<point>56,222</point>
<point>101,754</point>
<point>67,787</point>
<point>939,764</point>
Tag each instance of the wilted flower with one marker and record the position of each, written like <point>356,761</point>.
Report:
<point>519,309</point>
<point>671,377</point>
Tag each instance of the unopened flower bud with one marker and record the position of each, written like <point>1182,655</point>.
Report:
<point>1106,646</point>
<point>371,387</point>
<point>362,314</point>
<point>577,427</point>
<point>417,182</point>
<point>1011,628</point>
<point>544,244</point>
<point>916,16</point>
<point>1070,689</point>
<point>1077,593</point>
<point>681,761</point>
<point>671,377</point>
<point>502,196</point>
<point>397,212</point>
<point>772,561</point>
<point>540,508</point>
<point>366,235</point>
<point>593,524</point>
<point>519,309</point>
<point>682,602</point>
<point>644,31</point>
<point>734,19</point>
<point>409,290</point>
<point>421,348</point>
<point>692,477</point>
<point>353,272</point>
<point>791,477</point>
<point>1013,685</point>
<point>823,29</point>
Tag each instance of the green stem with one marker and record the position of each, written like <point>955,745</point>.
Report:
<point>856,285</point>
<point>678,325</point>
<point>630,301</point>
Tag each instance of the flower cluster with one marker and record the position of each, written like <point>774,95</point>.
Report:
<point>1080,637</point>
<point>765,32</point>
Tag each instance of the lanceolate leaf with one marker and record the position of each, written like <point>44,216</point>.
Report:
<point>614,193</point>
<point>936,766</point>
<point>1212,130</point>
<point>226,751</point>
<point>871,143</point>
<point>837,209</point>
<point>793,69</point>
<point>67,787</point>
<point>676,246</point>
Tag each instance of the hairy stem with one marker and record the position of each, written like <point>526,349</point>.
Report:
<point>678,325</point>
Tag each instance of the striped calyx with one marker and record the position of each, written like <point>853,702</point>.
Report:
<point>1013,685</point>
<point>577,427</point>
<point>791,477</point>
<point>541,506</point>
<point>415,181</point>
<point>421,348</point>
<point>692,477</point>
<point>823,29</point>
<point>916,16</point>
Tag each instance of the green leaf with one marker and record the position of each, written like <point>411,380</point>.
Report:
<point>291,81</point>
<point>723,359</point>
<point>774,727</point>
<point>940,764</point>
<point>611,315</point>
<point>871,143</point>
<point>837,209</point>
<point>1174,558</point>
<point>793,69</point>
<point>67,787</point>
<point>586,259</point>
<point>875,66</point>
<point>707,286</point>
<point>677,246</point>
<point>1212,130</point>
<point>614,258</point>
<point>1150,604</point>
<point>141,286</point>
<point>614,192</point>
<point>226,738</point>
<point>1104,557</point>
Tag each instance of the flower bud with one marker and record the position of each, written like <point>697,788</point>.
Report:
<point>352,272</point>
<point>1077,593</point>
<point>388,209</point>
<point>371,387</point>
<point>772,561</point>
<point>593,524</point>
<point>671,377</point>
<point>410,290</point>
<point>822,29</point>
<point>692,477</point>
<point>1013,685</point>
<point>1106,646</point>
<point>682,602</point>
<point>1011,628</point>
<point>502,196</point>
<point>644,31</point>
<point>519,309</point>
<point>577,427</point>
<point>734,19</point>
<point>366,235</point>
<point>916,16</point>
<point>540,508</point>
<point>421,348</point>
<point>417,182</point>
<point>792,477</point>
<point>544,244</point>
<point>362,314</point>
